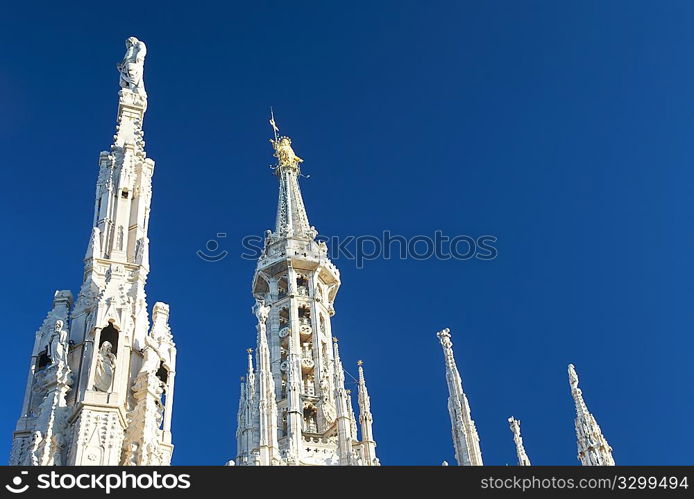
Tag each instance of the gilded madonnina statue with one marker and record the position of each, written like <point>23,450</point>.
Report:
<point>284,152</point>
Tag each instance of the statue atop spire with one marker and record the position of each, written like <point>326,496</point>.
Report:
<point>286,157</point>
<point>523,459</point>
<point>593,449</point>
<point>291,220</point>
<point>131,68</point>
<point>285,154</point>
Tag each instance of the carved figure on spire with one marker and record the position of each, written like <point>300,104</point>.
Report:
<point>131,68</point>
<point>261,311</point>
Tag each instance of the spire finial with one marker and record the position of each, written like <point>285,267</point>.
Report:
<point>573,376</point>
<point>249,351</point>
<point>275,128</point>
<point>360,363</point>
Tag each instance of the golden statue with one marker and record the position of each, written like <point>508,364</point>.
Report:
<point>284,152</point>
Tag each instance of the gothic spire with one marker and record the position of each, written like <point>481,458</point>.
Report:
<point>523,459</point>
<point>291,220</point>
<point>250,372</point>
<point>344,431</point>
<point>465,438</point>
<point>122,371</point>
<point>366,421</point>
<point>123,191</point>
<point>267,404</point>
<point>593,449</point>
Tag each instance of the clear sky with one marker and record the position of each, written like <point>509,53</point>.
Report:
<point>562,128</point>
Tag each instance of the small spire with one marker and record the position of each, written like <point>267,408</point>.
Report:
<point>465,439</point>
<point>345,432</point>
<point>593,449</point>
<point>523,459</point>
<point>249,351</point>
<point>365,419</point>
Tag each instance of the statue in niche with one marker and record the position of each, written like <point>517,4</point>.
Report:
<point>105,368</point>
<point>131,68</point>
<point>57,346</point>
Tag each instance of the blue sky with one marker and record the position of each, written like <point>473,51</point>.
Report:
<point>562,128</point>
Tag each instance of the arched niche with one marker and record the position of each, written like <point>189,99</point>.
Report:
<point>111,334</point>
<point>261,287</point>
<point>163,373</point>
<point>43,359</point>
<point>284,316</point>
<point>282,286</point>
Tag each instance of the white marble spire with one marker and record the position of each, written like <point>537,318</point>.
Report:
<point>465,438</point>
<point>297,284</point>
<point>523,459</point>
<point>268,448</point>
<point>593,449</point>
<point>344,426</point>
<point>368,445</point>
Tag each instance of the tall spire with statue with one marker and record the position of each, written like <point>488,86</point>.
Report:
<point>100,385</point>
<point>296,410</point>
<point>593,449</point>
<point>466,442</point>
